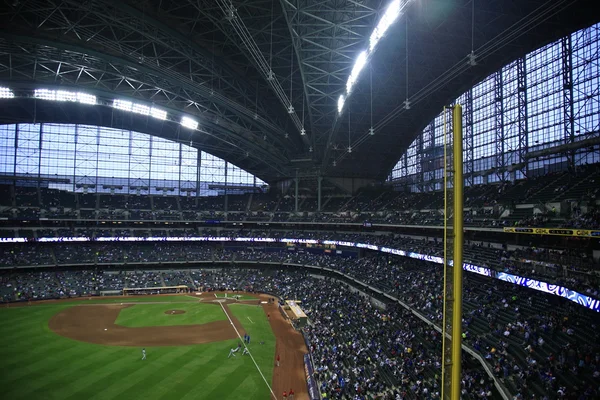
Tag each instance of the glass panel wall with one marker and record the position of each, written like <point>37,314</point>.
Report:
<point>99,159</point>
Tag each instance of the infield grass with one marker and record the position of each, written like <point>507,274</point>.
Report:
<point>143,315</point>
<point>37,363</point>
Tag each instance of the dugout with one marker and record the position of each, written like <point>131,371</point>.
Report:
<point>292,310</point>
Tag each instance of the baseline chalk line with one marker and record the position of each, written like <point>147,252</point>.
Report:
<point>250,319</point>
<point>250,354</point>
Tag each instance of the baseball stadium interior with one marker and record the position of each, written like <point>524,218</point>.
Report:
<point>302,149</point>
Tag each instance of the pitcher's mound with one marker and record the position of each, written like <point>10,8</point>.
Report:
<point>170,312</point>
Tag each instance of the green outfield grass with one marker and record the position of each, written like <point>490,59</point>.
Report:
<point>257,326</point>
<point>36,363</point>
<point>141,315</point>
<point>230,295</point>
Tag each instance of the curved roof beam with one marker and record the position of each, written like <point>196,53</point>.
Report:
<point>142,41</point>
<point>131,79</point>
<point>106,74</point>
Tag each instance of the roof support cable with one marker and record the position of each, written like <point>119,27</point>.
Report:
<point>472,56</point>
<point>406,102</point>
<point>263,66</point>
<point>270,74</point>
<point>371,130</point>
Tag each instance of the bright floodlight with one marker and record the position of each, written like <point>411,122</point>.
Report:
<point>189,123</point>
<point>64,95</point>
<point>140,109</point>
<point>358,66</point>
<point>6,93</point>
<point>122,105</point>
<point>86,98</point>
<point>341,101</point>
<point>45,94</point>
<point>391,14</point>
<point>158,113</point>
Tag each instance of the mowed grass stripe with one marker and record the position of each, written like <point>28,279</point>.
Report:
<point>193,388</point>
<point>107,363</point>
<point>104,377</point>
<point>206,372</point>
<point>55,388</point>
<point>145,386</point>
<point>38,338</point>
<point>227,384</point>
<point>253,387</point>
<point>15,318</point>
<point>29,355</point>
<point>70,368</point>
<point>181,382</point>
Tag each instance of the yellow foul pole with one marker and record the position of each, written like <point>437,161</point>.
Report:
<point>458,251</point>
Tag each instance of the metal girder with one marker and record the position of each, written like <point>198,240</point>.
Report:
<point>328,36</point>
<point>499,156</point>
<point>469,160</point>
<point>33,60</point>
<point>523,147</point>
<point>568,111</point>
<point>121,31</point>
<point>244,25</point>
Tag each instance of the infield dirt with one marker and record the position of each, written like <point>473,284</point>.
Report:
<point>96,324</point>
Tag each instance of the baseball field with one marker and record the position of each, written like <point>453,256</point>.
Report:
<point>92,349</point>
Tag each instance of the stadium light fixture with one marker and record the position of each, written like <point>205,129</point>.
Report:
<point>122,105</point>
<point>389,17</point>
<point>391,14</point>
<point>341,101</point>
<point>189,123</point>
<point>85,98</point>
<point>360,63</point>
<point>140,109</point>
<point>158,113</point>
<point>6,93</point>
<point>64,95</point>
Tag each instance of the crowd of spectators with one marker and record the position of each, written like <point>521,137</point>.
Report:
<point>567,267</point>
<point>490,205</point>
<point>535,343</point>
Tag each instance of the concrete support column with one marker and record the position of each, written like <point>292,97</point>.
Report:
<point>319,180</point>
<point>296,194</point>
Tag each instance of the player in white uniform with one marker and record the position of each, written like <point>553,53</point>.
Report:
<point>245,351</point>
<point>232,352</point>
<point>143,354</point>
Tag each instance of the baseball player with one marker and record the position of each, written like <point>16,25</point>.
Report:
<point>143,354</point>
<point>245,351</point>
<point>278,360</point>
<point>284,395</point>
<point>291,394</point>
<point>233,351</point>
